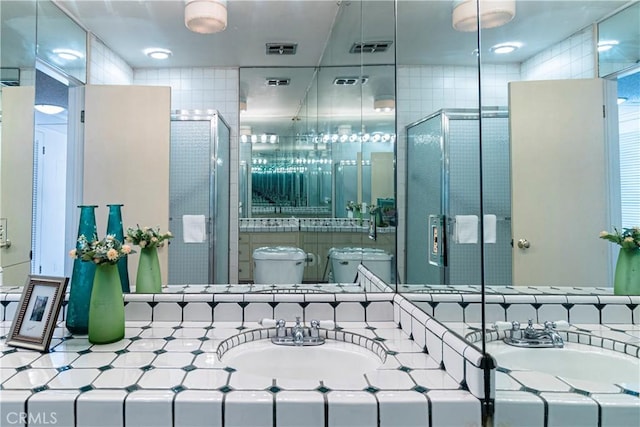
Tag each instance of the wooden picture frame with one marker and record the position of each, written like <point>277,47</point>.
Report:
<point>37,313</point>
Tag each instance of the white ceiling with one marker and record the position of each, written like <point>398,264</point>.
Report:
<point>324,31</point>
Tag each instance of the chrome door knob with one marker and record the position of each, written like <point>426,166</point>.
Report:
<point>523,244</point>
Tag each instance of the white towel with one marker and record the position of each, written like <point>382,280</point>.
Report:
<point>194,228</point>
<point>466,229</point>
<point>489,225</point>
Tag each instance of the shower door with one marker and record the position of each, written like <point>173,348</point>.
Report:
<point>199,186</point>
<point>443,183</point>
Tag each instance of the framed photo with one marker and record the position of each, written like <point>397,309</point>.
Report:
<point>37,313</point>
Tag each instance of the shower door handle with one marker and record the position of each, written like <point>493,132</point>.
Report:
<point>523,244</point>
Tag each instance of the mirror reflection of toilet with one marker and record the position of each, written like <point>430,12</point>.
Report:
<point>278,265</point>
<point>345,261</point>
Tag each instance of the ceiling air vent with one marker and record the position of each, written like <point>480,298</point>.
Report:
<point>281,48</point>
<point>370,47</point>
<point>278,81</point>
<point>350,81</point>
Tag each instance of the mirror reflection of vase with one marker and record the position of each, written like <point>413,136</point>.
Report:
<point>77,317</point>
<point>148,278</point>
<point>114,227</point>
<point>627,273</point>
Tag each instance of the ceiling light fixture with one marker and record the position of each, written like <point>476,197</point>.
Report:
<point>606,45</point>
<point>49,109</point>
<point>205,16</point>
<point>67,54</point>
<point>493,13</point>
<point>158,53</point>
<point>384,105</point>
<point>504,48</point>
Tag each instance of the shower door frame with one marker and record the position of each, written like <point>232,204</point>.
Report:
<point>446,116</point>
<point>214,118</point>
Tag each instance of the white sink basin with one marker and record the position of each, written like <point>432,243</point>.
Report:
<point>331,360</point>
<point>577,361</point>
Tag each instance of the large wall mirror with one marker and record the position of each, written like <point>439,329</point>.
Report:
<point>317,144</point>
<point>400,99</point>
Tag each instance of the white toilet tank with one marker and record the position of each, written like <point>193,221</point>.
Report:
<point>278,265</point>
<point>345,261</point>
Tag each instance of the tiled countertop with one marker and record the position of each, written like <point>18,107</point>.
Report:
<point>162,373</point>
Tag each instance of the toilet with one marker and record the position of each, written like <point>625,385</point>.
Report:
<point>278,265</point>
<point>345,261</point>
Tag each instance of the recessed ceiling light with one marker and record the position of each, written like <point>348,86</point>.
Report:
<point>157,53</point>
<point>49,109</point>
<point>605,45</point>
<point>68,54</point>
<point>504,48</point>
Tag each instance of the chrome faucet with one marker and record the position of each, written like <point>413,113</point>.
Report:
<point>532,337</point>
<point>298,334</point>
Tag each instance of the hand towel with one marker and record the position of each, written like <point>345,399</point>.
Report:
<point>194,228</point>
<point>466,229</point>
<point>489,224</point>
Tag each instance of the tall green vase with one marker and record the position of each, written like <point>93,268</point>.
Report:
<point>114,226</point>
<point>77,316</point>
<point>106,311</point>
<point>627,275</point>
<point>148,279</point>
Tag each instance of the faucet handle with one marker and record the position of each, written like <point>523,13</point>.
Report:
<point>505,326</point>
<point>268,323</point>
<point>558,325</point>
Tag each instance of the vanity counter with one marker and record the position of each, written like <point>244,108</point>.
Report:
<point>168,373</point>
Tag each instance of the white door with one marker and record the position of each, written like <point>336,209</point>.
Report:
<point>126,157</point>
<point>562,184</point>
<point>16,183</point>
<point>49,249</point>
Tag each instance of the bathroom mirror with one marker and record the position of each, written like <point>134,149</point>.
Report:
<point>17,83</point>
<point>619,41</point>
<point>440,72</point>
<point>317,145</point>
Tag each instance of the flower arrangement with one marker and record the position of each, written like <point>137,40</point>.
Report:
<point>628,238</point>
<point>353,206</point>
<point>147,237</point>
<point>106,251</point>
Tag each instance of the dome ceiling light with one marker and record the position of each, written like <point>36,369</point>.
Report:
<point>158,53</point>
<point>504,48</point>
<point>205,16</point>
<point>493,13</point>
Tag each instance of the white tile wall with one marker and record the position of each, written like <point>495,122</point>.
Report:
<point>573,58</point>
<point>105,66</point>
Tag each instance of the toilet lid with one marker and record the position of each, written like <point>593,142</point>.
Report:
<point>279,253</point>
<point>358,254</point>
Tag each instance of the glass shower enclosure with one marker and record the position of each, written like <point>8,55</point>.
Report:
<point>443,201</point>
<point>199,175</point>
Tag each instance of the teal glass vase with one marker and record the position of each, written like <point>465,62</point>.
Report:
<point>114,226</point>
<point>77,316</point>
<point>106,310</point>
<point>148,278</point>
<point>627,275</point>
